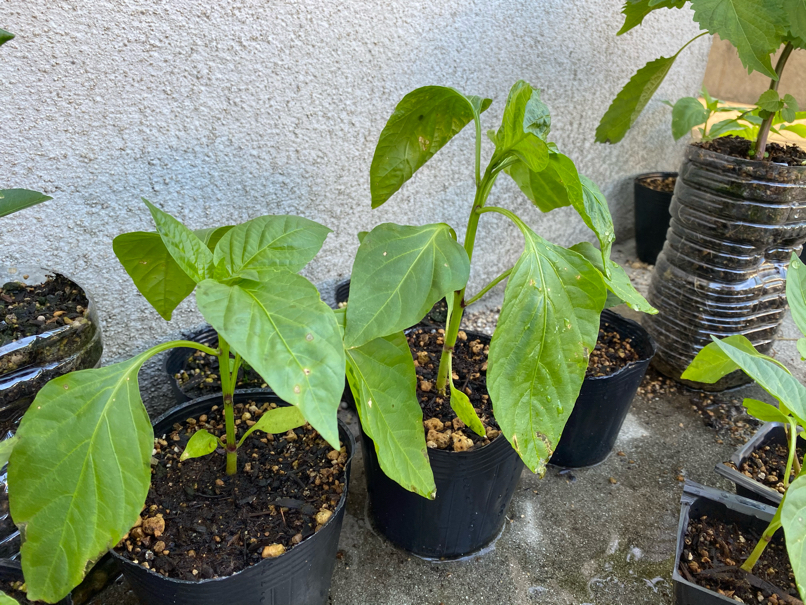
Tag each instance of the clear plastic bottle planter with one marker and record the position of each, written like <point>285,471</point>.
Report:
<point>722,271</point>
<point>604,401</point>
<point>474,490</point>
<point>651,216</point>
<point>770,433</point>
<point>699,500</point>
<point>301,576</point>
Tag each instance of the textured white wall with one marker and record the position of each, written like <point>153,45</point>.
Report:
<point>222,111</point>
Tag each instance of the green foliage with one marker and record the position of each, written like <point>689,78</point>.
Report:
<point>14,200</point>
<point>556,186</point>
<point>687,113</point>
<point>796,297</point>
<point>276,421</point>
<point>6,447</point>
<point>4,598</point>
<point>524,128</point>
<point>636,10</point>
<point>200,444</point>
<point>5,36</point>
<point>793,509</point>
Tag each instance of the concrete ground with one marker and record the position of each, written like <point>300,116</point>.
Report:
<point>604,535</point>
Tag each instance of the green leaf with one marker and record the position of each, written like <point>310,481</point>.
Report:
<point>793,512</point>
<point>796,292</point>
<point>539,352</point>
<point>278,420</point>
<point>796,17</point>
<point>636,10</point>
<point>688,113</point>
<point>270,242</point>
<point>362,235</point>
<point>383,381</point>
<point>5,36</point>
<point>555,186</point>
<point>596,214</point>
<point>422,123</point>
<point>712,363</point>
<point>618,282</point>
<point>798,129</point>
<point>770,101</point>
<point>200,444</point>
<point>633,98</point>
<point>190,253</point>
<point>212,235</point>
<point>80,473</point>
<point>13,200</point>
<point>153,270</point>
<point>764,411</point>
<point>464,409</point>
<point>398,275</point>
<point>754,27</point>
<point>284,331</point>
<point>4,598</point>
<point>801,344</point>
<point>728,127</point>
<point>524,127</point>
<point>6,447</point>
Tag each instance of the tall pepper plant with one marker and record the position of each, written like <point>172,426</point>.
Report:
<point>554,296</point>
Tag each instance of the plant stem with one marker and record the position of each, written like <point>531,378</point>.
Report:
<point>792,434</point>
<point>774,525</point>
<point>487,288</point>
<point>764,129</point>
<point>228,390</point>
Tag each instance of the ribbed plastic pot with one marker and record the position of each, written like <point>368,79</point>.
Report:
<point>604,401</point>
<point>343,291</point>
<point>11,571</point>
<point>301,576</point>
<point>474,489</point>
<point>771,433</point>
<point>651,216</point>
<point>176,359</point>
<point>722,271</point>
<point>699,500</point>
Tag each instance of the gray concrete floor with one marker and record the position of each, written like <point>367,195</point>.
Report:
<point>603,535</point>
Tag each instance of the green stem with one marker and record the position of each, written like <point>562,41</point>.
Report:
<point>228,390</point>
<point>792,433</point>
<point>184,344</point>
<point>507,213</point>
<point>477,120</point>
<point>773,527</point>
<point>764,129</point>
<point>487,288</point>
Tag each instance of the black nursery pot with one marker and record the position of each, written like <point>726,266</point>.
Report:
<point>604,401</point>
<point>697,501</point>
<point>474,489</point>
<point>301,576</point>
<point>176,359</point>
<point>770,433</point>
<point>651,216</point>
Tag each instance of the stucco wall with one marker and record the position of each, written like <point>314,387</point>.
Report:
<point>223,111</point>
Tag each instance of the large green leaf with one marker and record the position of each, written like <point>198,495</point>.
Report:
<point>422,123</point>
<point>13,200</point>
<point>79,474</point>
<point>4,598</point>
<point>383,381</point>
<point>713,363</point>
<point>596,213</point>
<point>796,292</point>
<point>286,333</point>
<point>187,249</point>
<point>687,114</point>
<point>212,235</point>
<point>796,17</point>
<point>556,186</point>
<point>754,27</point>
<point>636,10</point>
<point>6,447</point>
<point>5,36</point>
<point>269,242</point>
<point>153,270</point>
<point>524,127</point>
<point>618,282</point>
<point>793,513</point>
<point>398,275</point>
<point>539,352</point>
<point>764,411</point>
<point>633,98</point>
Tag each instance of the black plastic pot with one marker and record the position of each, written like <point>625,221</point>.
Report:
<point>603,402</point>
<point>651,216</point>
<point>343,291</point>
<point>770,433</point>
<point>301,576</point>
<point>474,489</point>
<point>699,500</point>
<point>176,359</point>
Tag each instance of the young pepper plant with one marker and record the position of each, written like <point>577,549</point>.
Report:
<point>554,296</point>
<point>721,357</point>
<point>80,470</point>
<point>756,28</point>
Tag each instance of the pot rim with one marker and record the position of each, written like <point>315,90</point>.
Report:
<point>244,393</point>
<point>642,359</point>
<point>640,178</point>
<point>747,163</point>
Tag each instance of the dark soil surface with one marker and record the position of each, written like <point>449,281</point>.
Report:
<point>443,429</point>
<point>199,523</point>
<point>610,354</point>
<point>713,552</point>
<point>14,589</point>
<point>32,310</point>
<point>791,155</point>
<point>200,376</point>
<point>767,466</point>
<point>663,184</point>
